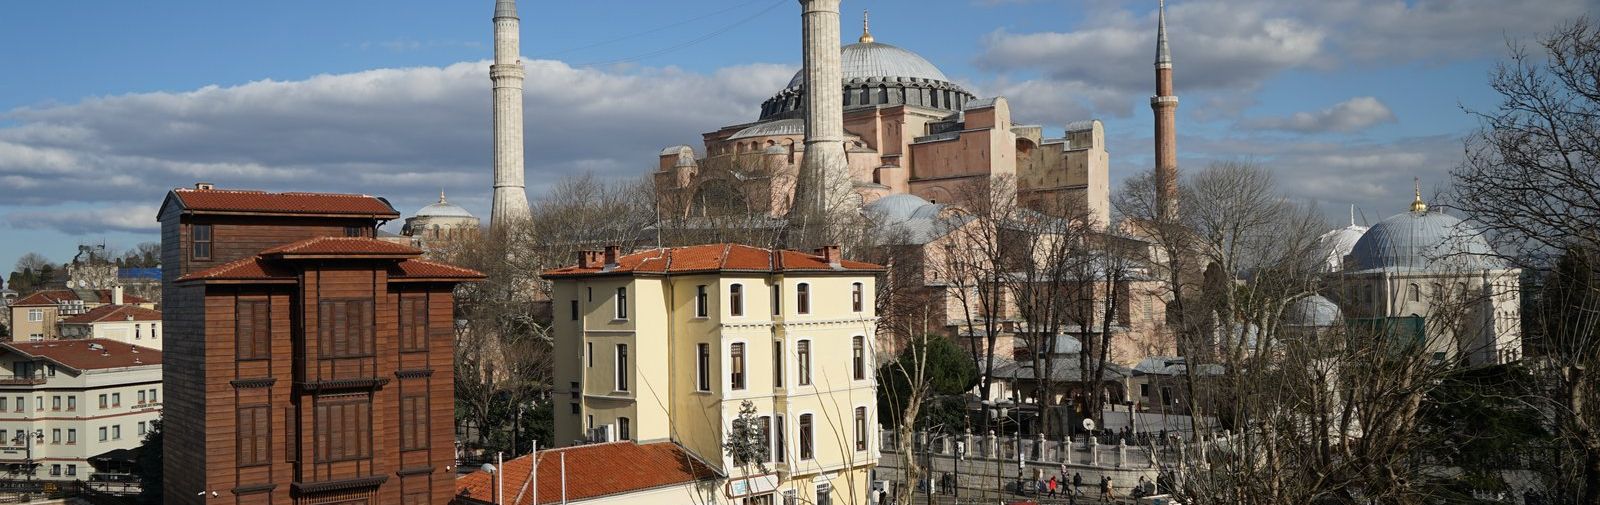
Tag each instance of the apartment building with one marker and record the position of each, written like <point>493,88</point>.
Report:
<point>65,402</point>
<point>37,316</point>
<point>310,362</point>
<point>667,345</point>
<point>129,324</point>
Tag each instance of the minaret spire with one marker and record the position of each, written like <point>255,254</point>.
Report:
<point>1165,106</point>
<point>510,199</point>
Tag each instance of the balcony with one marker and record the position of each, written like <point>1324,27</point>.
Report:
<point>22,381</point>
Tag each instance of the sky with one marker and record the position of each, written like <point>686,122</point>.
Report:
<point>106,105</point>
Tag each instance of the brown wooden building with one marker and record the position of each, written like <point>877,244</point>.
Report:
<point>307,362</point>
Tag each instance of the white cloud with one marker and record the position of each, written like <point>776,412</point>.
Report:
<point>131,218</point>
<point>401,133</point>
<point>1355,114</point>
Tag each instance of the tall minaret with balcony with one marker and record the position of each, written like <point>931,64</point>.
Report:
<point>1165,106</point>
<point>510,194</point>
<point>824,191</point>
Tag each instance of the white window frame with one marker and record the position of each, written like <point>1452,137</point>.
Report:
<point>35,315</point>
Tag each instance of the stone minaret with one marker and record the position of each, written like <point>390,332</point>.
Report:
<point>824,189</point>
<point>510,195</point>
<point>1165,106</point>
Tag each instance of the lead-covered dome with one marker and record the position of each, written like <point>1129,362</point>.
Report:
<point>873,59</point>
<point>876,74</point>
<point>442,208</point>
<point>1423,240</point>
<point>1312,311</point>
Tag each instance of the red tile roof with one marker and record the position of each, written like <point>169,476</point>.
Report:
<point>717,258</point>
<point>81,355</point>
<point>342,246</point>
<point>113,313</point>
<point>55,296</point>
<point>46,298</point>
<point>269,265</point>
<point>261,202</point>
<point>592,471</point>
<point>420,269</point>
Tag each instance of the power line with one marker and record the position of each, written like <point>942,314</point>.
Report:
<point>689,42</point>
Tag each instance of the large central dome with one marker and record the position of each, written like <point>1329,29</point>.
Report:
<point>873,59</point>
<point>876,74</point>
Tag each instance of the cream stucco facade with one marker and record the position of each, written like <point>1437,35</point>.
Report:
<point>74,402</point>
<point>805,361</point>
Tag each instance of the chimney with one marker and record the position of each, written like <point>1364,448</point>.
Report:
<point>588,259</point>
<point>830,254</point>
<point>204,186</point>
<point>116,295</point>
<point>611,255</point>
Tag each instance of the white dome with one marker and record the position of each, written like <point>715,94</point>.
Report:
<point>442,208</point>
<point>1312,311</point>
<point>1334,245</point>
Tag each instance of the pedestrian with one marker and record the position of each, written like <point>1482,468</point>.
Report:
<point>1106,492</point>
<point>1077,483</point>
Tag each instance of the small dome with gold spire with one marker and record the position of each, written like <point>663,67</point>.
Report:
<point>1423,240</point>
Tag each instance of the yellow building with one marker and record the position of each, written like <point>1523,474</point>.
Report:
<point>668,344</point>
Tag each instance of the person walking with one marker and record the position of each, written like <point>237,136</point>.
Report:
<point>1106,493</point>
<point>1051,486</point>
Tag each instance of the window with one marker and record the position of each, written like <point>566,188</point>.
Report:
<point>736,368</point>
<point>703,367</point>
<point>21,403</point>
<point>252,330</point>
<point>574,308</point>
<point>622,367</point>
<point>623,433</point>
<point>72,436</point>
<point>116,432</point>
<point>50,369</point>
<point>55,435</point>
<point>1144,390</point>
<point>575,408</point>
<point>777,363</point>
<point>590,291</point>
<point>201,237</point>
<point>802,298</point>
<point>413,422</point>
<point>3,403</point>
<point>803,361</point>
<point>777,300</point>
<point>153,395</point>
<point>825,492</point>
<point>21,438</point>
<point>765,424</point>
<point>35,315</point>
<point>345,328</point>
<point>736,300</point>
<point>343,428</point>
<point>55,403</point>
<point>22,369</point>
<point>102,433</point>
<point>413,324</point>
<point>1413,293</point>
<point>856,294</point>
<point>55,470</point>
<point>622,303</point>
<point>858,357</point>
<point>38,403</point>
<point>805,437</point>
<point>138,330</point>
<point>155,332</point>
<point>72,470</point>
<point>103,403</point>
<point>861,428</point>
<point>783,447</point>
<point>588,351</point>
<point>116,399</point>
<point>355,231</point>
<point>141,397</point>
<point>142,428</point>
<point>700,301</point>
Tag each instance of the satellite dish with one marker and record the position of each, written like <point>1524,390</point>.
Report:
<point>1088,424</point>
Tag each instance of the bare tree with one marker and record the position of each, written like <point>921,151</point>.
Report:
<point>1531,179</point>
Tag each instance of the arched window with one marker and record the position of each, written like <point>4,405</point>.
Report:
<point>802,298</point>
<point>1413,293</point>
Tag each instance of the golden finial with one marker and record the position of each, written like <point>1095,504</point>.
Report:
<point>866,28</point>
<point>1418,205</point>
<point>441,195</point>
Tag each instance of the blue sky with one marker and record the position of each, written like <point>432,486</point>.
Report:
<point>105,105</point>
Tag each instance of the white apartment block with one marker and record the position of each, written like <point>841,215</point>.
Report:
<point>64,402</point>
